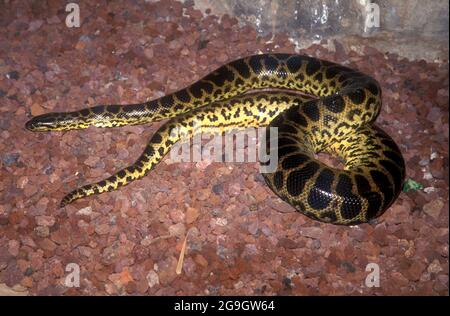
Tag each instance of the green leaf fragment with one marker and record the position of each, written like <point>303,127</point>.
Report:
<point>411,185</point>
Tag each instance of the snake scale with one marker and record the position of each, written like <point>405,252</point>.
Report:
<point>334,114</point>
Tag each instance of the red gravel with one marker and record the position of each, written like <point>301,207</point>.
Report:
<point>242,238</point>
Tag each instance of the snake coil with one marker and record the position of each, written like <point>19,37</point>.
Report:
<point>335,116</point>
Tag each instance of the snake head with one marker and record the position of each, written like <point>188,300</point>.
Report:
<point>41,123</point>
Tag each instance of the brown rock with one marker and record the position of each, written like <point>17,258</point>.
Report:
<point>287,243</point>
<point>47,244</point>
<point>280,206</point>
<point>203,195</point>
<point>22,181</point>
<point>178,230</point>
<point>434,208</point>
<point>91,161</point>
<point>102,229</point>
<point>380,235</point>
<point>36,109</point>
<point>260,194</point>
<point>199,259</point>
<point>30,189</point>
<point>177,216</point>
<point>435,267</point>
<point>42,231</point>
<point>61,236</point>
<point>415,270</point>
<point>45,220</point>
<point>12,274</point>
<point>437,168</point>
<point>311,232</point>
<point>13,247</point>
<point>27,282</point>
<point>167,271</point>
<point>192,214</point>
<point>41,205</point>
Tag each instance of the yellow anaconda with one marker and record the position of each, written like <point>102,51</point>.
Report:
<point>336,117</point>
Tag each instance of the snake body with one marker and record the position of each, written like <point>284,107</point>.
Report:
<point>335,115</point>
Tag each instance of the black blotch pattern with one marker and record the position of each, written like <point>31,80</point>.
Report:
<point>294,161</point>
<point>374,204</point>
<point>311,110</point>
<point>373,88</point>
<point>316,197</point>
<point>389,143</point>
<point>85,112</point>
<point>312,67</point>
<point>102,183</point>
<point>294,115</point>
<point>220,76</point>
<point>319,77</point>
<point>112,178</point>
<point>357,96</point>
<point>286,150</point>
<point>286,128</point>
<point>351,206</point>
<point>98,109</point>
<point>271,63</point>
<point>113,108</point>
<point>166,101</point>
<point>331,72</point>
<point>278,180</point>
<point>395,157</point>
<point>196,90</point>
<point>297,179</point>
<point>121,174</point>
<point>344,186</point>
<point>242,68</point>
<point>255,63</point>
<point>334,103</point>
<point>183,96</point>
<point>362,184</point>
<point>148,106</point>
<point>156,138</point>
<point>345,76</point>
<point>149,151</point>
<point>285,141</point>
<point>294,63</point>
<point>384,185</point>
<point>394,171</point>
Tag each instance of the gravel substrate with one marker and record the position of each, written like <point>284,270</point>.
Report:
<point>243,240</point>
